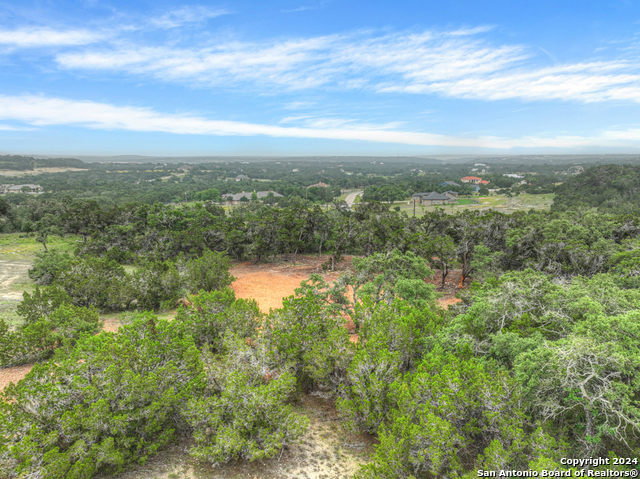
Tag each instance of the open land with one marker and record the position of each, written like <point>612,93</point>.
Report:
<point>39,171</point>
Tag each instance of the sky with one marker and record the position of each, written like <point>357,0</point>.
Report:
<point>319,77</point>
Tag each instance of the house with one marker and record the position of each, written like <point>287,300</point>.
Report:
<point>33,189</point>
<point>449,183</point>
<point>242,177</point>
<point>432,198</point>
<point>483,182</point>
<point>513,175</point>
<point>451,194</point>
<point>237,198</point>
<point>295,170</point>
<point>474,180</point>
<point>318,185</point>
<point>185,168</point>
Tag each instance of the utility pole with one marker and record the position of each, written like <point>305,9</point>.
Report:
<point>414,207</point>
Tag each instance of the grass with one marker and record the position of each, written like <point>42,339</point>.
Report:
<point>523,202</point>
<point>8,313</point>
<point>20,247</point>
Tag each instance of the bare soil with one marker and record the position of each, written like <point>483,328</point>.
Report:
<point>269,283</point>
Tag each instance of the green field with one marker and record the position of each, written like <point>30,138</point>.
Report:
<point>501,203</point>
<point>20,247</point>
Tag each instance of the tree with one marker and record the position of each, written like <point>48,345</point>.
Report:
<point>244,414</point>
<point>591,375</point>
<point>442,255</point>
<point>47,266</point>
<point>97,282</point>
<point>208,316</point>
<point>112,400</point>
<point>209,272</point>
<point>386,276</point>
<point>46,226</point>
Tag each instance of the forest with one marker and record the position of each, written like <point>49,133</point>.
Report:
<point>539,361</point>
<point>381,179</point>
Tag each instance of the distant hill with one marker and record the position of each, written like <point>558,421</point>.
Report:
<point>610,188</point>
<point>27,163</point>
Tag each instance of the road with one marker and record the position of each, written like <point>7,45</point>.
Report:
<point>352,198</point>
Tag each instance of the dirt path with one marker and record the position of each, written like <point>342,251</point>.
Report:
<point>12,273</point>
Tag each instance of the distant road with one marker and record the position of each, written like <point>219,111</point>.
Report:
<point>352,198</point>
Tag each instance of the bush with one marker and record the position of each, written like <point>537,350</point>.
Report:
<point>208,316</point>
<point>155,283</point>
<point>101,283</point>
<point>47,266</point>
<point>209,272</point>
<point>38,340</point>
<point>111,400</point>
<point>364,400</point>
<point>453,415</point>
<point>246,415</point>
<point>303,334</point>
<point>41,303</point>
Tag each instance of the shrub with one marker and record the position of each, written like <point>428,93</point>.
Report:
<point>155,283</point>
<point>47,266</point>
<point>209,272</point>
<point>246,415</point>
<point>452,415</point>
<point>38,340</point>
<point>101,283</point>
<point>302,335</point>
<point>111,400</point>
<point>364,398</point>
<point>41,303</point>
<point>208,316</point>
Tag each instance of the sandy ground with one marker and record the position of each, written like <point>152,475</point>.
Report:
<point>268,283</point>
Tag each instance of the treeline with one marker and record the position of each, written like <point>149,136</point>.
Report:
<point>562,244</point>
<point>609,188</point>
<point>27,163</point>
<point>388,180</point>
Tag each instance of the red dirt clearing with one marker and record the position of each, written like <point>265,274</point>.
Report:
<point>13,375</point>
<point>269,283</point>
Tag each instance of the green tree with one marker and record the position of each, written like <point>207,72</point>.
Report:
<point>245,413</point>
<point>111,400</point>
<point>209,272</point>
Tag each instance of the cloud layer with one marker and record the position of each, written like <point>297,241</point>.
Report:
<point>458,64</point>
<point>43,111</point>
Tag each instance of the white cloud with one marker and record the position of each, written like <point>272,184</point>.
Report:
<point>456,63</point>
<point>185,15</point>
<point>43,111</point>
<point>47,37</point>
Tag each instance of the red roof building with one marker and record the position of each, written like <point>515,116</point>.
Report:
<point>471,179</point>
<point>483,182</point>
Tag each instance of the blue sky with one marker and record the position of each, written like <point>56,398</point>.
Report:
<point>319,77</point>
